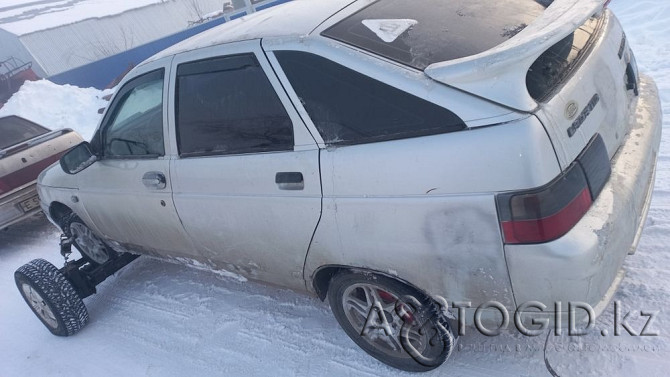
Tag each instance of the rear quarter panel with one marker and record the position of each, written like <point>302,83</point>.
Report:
<point>423,209</point>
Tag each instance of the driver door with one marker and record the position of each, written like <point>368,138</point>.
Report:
<point>127,193</point>
<point>246,178</point>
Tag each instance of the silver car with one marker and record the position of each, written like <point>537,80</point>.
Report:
<point>410,161</point>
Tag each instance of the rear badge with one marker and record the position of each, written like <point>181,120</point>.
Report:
<point>584,114</point>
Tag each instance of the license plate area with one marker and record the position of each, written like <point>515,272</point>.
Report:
<point>30,204</point>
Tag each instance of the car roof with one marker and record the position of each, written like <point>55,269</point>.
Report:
<point>295,18</point>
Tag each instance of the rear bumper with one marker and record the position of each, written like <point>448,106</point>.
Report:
<point>10,210</point>
<point>585,265</point>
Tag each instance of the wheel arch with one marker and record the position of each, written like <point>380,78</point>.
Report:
<point>323,275</point>
<point>58,212</point>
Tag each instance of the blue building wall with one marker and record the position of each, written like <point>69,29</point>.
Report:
<point>101,73</point>
<point>272,4</point>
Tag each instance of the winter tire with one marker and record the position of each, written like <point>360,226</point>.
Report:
<point>51,297</point>
<point>414,336</point>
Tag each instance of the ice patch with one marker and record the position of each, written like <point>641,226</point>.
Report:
<point>389,30</point>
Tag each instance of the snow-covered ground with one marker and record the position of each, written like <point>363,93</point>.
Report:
<point>159,319</point>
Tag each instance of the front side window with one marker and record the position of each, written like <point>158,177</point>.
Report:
<point>134,124</point>
<point>348,107</point>
<point>227,105</point>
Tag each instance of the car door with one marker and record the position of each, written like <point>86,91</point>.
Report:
<point>127,192</point>
<point>246,179</point>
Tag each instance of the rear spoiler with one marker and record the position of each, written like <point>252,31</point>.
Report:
<point>499,74</point>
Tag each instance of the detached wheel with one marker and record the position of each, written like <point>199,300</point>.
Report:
<point>51,297</point>
<point>378,314</point>
<point>91,247</point>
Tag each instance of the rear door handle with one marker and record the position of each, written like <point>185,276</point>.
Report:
<point>154,180</point>
<point>290,181</point>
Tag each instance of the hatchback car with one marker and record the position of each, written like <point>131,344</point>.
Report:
<point>370,151</point>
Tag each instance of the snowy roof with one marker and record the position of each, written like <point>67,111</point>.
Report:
<point>21,17</point>
<point>298,17</point>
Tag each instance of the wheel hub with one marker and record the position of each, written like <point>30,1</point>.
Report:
<point>361,306</point>
<point>38,304</point>
<point>89,243</point>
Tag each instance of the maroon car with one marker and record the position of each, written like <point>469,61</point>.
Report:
<point>26,149</point>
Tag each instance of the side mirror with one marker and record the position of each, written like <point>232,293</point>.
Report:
<point>78,158</point>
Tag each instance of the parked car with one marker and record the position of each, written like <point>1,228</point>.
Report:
<point>370,151</point>
<point>26,149</point>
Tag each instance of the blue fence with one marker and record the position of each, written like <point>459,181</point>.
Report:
<point>272,4</point>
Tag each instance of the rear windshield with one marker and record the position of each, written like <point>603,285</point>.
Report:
<point>555,65</point>
<point>350,108</point>
<point>15,130</point>
<point>419,33</point>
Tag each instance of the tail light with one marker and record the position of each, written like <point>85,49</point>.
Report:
<point>549,212</point>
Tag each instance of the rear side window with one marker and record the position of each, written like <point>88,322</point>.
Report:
<point>556,64</point>
<point>350,108</point>
<point>227,105</point>
<point>15,130</point>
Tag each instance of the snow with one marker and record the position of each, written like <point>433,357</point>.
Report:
<point>201,266</point>
<point>155,318</point>
<point>55,107</point>
<point>211,15</point>
<point>21,17</point>
<point>389,30</point>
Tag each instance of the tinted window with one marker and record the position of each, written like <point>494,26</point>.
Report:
<point>419,33</point>
<point>227,105</point>
<point>134,125</point>
<point>15,130</point>
<point>554,66</point>
<point>349,108</point>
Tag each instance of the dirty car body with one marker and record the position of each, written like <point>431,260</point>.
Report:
<point>510,164</point>
<point>26,149</point>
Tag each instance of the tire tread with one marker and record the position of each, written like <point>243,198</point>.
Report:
<point>67,306</point>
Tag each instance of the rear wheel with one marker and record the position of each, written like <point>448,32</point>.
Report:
<point>51,297</point>
<point>391,321</point>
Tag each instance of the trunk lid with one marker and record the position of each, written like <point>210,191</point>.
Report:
<point>596,96</point>
<point>571,67</point>
<point>499,73</point>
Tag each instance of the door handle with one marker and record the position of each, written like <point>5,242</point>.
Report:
<point>154,180</point>
<point>290,181</point>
